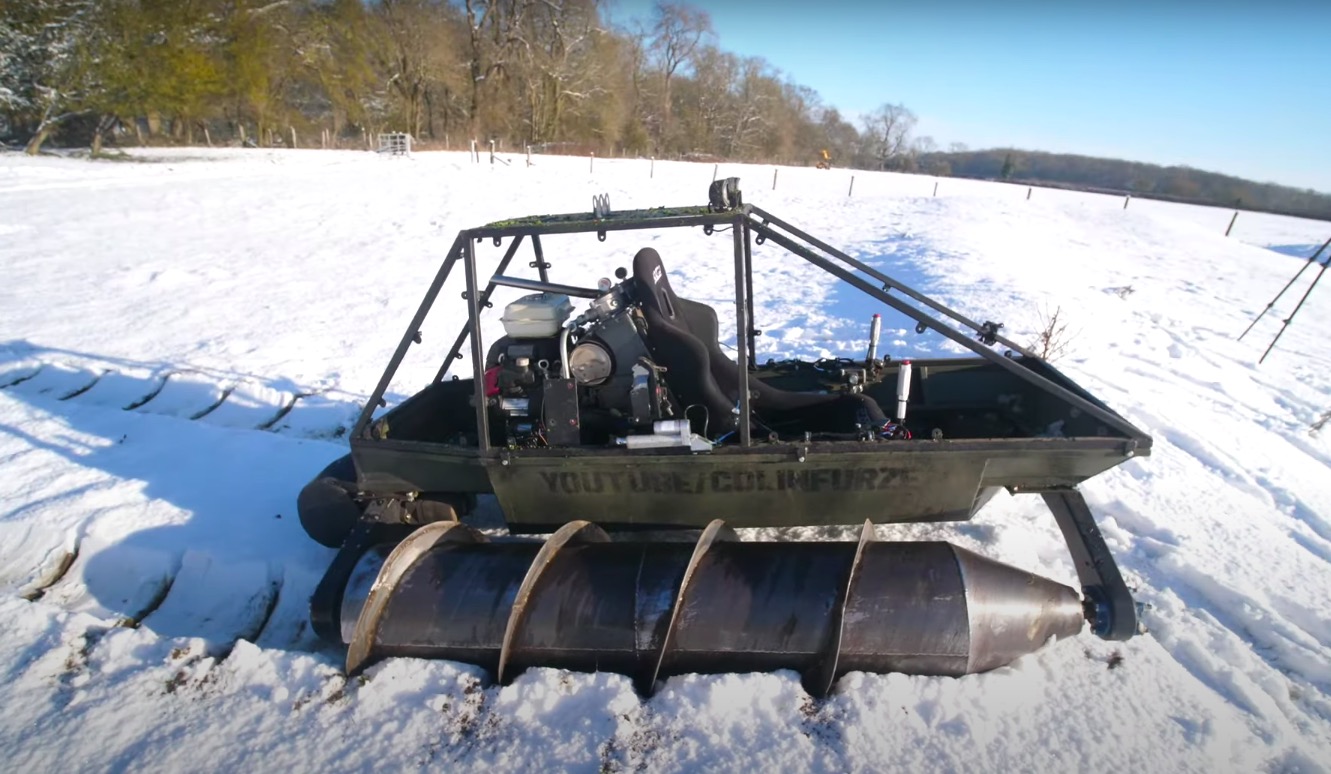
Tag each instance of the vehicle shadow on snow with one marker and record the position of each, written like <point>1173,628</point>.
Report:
<point>901,257</point>
<point>183,528</point>
<point>1304,251</point>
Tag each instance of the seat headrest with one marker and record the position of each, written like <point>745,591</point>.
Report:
<point>653,285</point>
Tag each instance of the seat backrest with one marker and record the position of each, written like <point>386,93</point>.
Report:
<point>686,356</point>
<point>682,336</point>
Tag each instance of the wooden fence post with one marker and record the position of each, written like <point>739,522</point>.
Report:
<point>492,152</point>
<point>651,170</point>
<point>207,137</point>
<point>1028,194</point>
<point>591,162</point>
<point>774,171</point>
<point>1126,199</point>
<point>293,136</point>
<point>935,188</point>
<point>715,167</point>
<point>852,186</point>
<point>1231,222</point>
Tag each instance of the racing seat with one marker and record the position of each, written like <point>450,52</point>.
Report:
<point>682,336</point>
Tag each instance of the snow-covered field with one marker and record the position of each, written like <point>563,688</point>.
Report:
<point>263,292</point>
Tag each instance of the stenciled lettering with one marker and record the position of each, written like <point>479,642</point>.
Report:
<point>739,481</point>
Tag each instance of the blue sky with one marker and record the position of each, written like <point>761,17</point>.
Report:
<point>1242,88</point>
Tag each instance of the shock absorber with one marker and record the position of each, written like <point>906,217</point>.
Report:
<point>903,389</point>
<point>875,328</point>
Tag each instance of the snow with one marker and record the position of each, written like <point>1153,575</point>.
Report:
<point>187,336</point>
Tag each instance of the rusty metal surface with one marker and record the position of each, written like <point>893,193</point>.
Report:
<point>572,532</point>
<point>921,608</point>
<point>819,678</point>
<point>398,563</point>
<point>716,530</point>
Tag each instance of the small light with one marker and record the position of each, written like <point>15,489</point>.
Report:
<point>604,284</point>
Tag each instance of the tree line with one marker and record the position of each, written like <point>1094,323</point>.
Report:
<point>551,74</point>
<point>546,73</point>
<point>1173,183</point>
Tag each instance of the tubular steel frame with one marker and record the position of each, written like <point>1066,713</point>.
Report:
<point>744,221</point>
<point>1109,604</point>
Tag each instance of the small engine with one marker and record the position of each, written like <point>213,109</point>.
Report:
<point>552,381</point>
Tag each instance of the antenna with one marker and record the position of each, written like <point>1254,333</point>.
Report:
<point>1306,293</point>
<point>1311,260</point>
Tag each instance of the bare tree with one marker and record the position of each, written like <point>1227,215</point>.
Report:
<point>479,66</point>
<point>887,134</point>
<point>415,54</point>
<point>640,105</point>
<point>838,136</point>
<point>540,71</point>
<point>753,122</point>
<point>677,30</point>
<point>563,72</point>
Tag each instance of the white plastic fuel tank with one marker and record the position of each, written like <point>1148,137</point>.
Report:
<point>539,315</point>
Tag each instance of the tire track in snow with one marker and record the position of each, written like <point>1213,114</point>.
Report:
<point>48,576</point>
<point>226,393</point>
<point>213,604</point>
<point>200,596</point>
<point>1262,655</point>
<point>19,375</point>
<point>159,595</point>
<point>80,390</point>
<point>193,395</point>
<point>1249,651</point>
<point>149,396</point>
